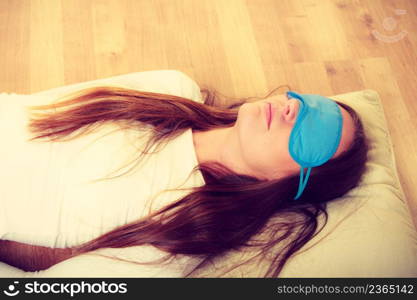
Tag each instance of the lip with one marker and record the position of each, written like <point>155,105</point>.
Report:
<point>269,113</point>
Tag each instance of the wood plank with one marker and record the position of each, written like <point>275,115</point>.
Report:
<point>14,46</point>
<point>46,60</point>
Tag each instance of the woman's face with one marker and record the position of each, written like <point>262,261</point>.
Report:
<point>265,150</point>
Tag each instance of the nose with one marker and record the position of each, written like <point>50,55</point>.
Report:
<point>291,111</point>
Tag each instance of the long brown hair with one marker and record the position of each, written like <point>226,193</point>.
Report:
<point>229,210</point>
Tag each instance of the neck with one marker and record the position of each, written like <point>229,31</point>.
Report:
<point>212,145</point>
<point>221,145</point>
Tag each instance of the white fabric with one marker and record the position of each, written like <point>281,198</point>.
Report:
<point>47,184</point>
<point>47,197</point>
<point>369,233</point>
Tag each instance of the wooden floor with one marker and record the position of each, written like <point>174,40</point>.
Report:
<point>241,48</point>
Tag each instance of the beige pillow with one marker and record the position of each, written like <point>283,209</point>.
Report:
<point>369,233</point>
<point>379,238</point>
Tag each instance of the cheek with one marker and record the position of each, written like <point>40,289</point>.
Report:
<point>275,156</point>
<point>267,153</point>
<point>278,151</point>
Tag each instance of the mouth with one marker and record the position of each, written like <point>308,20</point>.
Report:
<point>269,112</point>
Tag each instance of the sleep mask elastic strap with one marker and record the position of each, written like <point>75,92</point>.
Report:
<point>303,182</point>
<point>316,134</point>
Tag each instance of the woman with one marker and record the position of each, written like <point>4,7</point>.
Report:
<point>251,156</point>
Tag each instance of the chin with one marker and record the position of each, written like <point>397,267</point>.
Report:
<point>248,111</point>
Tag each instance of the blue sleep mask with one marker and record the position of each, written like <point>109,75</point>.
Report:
<point>316,134</point>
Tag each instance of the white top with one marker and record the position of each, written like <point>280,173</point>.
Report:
<point>46,194</point>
